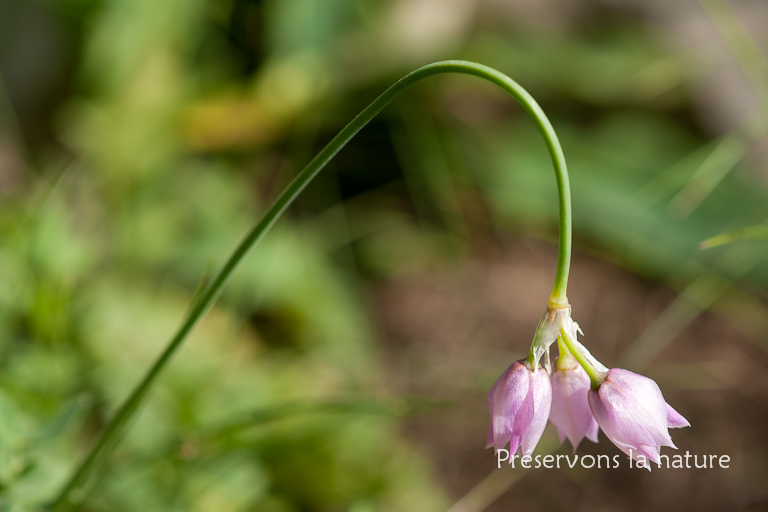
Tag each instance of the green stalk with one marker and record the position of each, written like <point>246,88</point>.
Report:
<point>73,493</point>
<point>565,360</point>
<point>596,376</point>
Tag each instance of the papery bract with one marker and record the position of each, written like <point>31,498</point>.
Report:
<point>519,403</point>
<point>570,407</point>
<point>632,412</point>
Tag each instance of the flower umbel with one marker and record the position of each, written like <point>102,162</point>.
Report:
<point>519,403</point>
<point>570,407</point>
<point>632,412</point>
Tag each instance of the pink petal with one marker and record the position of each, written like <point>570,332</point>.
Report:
<point>675,419</point>
<point>541,400</point>
<point>519,403</point>
<point>570,408</point>
<point>634,415</point>
<point>505,399</point>
<point>634,410</point>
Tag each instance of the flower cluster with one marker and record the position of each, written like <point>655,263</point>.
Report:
<point>579,396</point>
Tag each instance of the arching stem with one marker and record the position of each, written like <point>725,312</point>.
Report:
<point>74,492</point>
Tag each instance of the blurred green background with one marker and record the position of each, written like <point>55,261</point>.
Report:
<point>346,366</point>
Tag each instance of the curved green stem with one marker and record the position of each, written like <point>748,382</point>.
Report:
<point>73,493</point>
<point>596,376</point>
<point>565,360</point>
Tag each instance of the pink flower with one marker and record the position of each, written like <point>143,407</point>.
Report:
<point>519,403</point>
<point>632,412</point>
<point>570,407</point>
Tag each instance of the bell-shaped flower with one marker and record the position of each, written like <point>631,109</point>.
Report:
<point>632,412</point>
<point>570,407</point>
<point>519,403</point>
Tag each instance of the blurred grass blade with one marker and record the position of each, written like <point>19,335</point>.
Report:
<point>394,408</point>
<point>427,171</point>
<point>741,44</point>
<point>488,490</point>
<point>202,284</point>
<point>723,158</point>
<point>731,148</point>
<point>672,178</point>
<point>758,232</point>
<point>69,415</point>
<point>684,309</point>
<point>698,296</point>
<point>500,480</point>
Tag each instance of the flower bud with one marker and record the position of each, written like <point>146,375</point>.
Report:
<point>519,403</point>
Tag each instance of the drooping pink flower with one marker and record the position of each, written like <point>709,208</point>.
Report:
<point>570,407</point>
<point>632,412</point>
<point>519,403</point>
